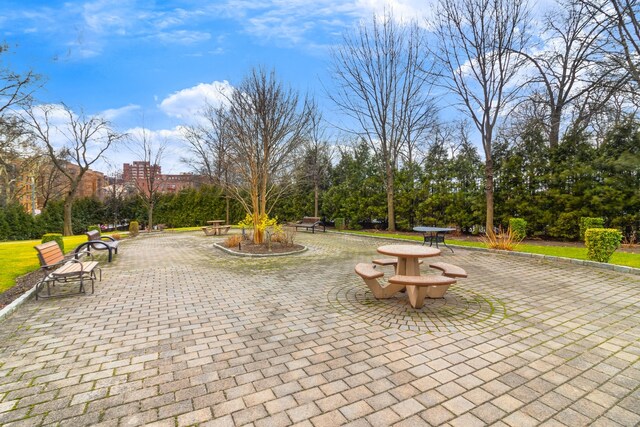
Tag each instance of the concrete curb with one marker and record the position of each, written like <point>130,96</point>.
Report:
<point>230,252</point>
<point>586,263</point>
<point>9,309</point>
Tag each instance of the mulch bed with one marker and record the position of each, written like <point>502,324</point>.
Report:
<point>23,284</point>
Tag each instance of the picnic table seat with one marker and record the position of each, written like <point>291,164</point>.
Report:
<point>98,243</point>
<point>449,270</point>
<point>370,276</point>
<point>309,223</point>
<point>420,287</point>
<point>59,270</point>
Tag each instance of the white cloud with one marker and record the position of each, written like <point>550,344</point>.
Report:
<point>114,113</point>
<point>296,22</point>
<point>187,103</point>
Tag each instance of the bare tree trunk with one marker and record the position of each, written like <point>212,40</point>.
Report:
<point>150,217</point>
<point>67,228</point>
<point>489,195</point>
<point>228,205</point>
<point>554,128</point>
<point>316,193</point>
<point>391,214</point>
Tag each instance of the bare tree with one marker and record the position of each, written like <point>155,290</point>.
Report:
<point>382,84</point>
<point>209,149</point>
<point>17,154</point>
<point>621,20</point>
<point>572,72</point>
<point>16,89</point>
<point>477,45</point>
<point>149,181</point>
<point>317,159</point>
<point>83,141</point>
<point>264,125</point>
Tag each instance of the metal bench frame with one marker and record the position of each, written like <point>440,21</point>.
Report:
<point>59,270</point>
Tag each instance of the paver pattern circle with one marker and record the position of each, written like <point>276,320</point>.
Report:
<point>460,309</point>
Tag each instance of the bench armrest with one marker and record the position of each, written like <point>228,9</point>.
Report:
<point>88,244</point>
<point>84,252</point>
<point>109,238</point>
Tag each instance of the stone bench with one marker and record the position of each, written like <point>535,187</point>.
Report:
<point>449,270</point>
<point>370,276</point>
<point>420,287</point>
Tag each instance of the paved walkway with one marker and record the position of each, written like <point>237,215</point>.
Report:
<point>179,333</point>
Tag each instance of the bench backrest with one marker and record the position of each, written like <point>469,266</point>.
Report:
<point>93,234</point>
<point>49,253</point>
<point>310,219</point>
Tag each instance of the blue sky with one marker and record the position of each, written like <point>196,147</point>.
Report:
<point>152,63</point>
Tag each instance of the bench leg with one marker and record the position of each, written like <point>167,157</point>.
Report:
<point>380,292</point>
<point>436,291</point>
<point>416,295</point>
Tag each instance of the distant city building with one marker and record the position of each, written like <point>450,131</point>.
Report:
<point>43,184</point>
<point>139,173</point>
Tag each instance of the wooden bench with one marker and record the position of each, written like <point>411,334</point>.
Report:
<point>449,270</point>
<point>309,223</point>
<point>98,243</point>
<point>370,276</point>
<point>58,270</point>
<point>420,287</point>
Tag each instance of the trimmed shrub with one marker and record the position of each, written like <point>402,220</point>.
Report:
<point>602,243</point>
<point>56,237</point>
<point>339,223</point>
<point>518,227</point>
<point>94,228</point>
<point>587,223</point>
<point>134,228</point>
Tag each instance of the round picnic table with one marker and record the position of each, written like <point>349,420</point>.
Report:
<point>408,256</point>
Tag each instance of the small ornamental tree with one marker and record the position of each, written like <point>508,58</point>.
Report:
<point>602,243</point>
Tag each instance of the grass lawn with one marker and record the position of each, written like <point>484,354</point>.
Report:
<point>618,258</point>
<point>18,258</point>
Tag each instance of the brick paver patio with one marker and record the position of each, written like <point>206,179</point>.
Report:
<point>179,333</point>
